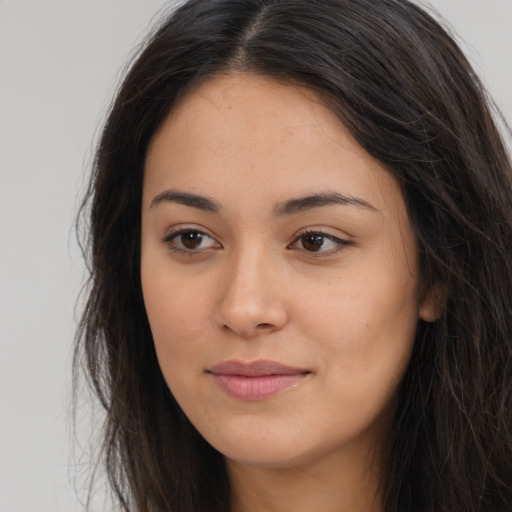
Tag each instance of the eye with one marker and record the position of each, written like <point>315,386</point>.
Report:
<point>189,240</point>
<point>319,242</point>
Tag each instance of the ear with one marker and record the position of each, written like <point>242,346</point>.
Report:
<point>433,303</point>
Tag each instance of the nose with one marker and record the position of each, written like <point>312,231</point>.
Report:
<point>251,298</point>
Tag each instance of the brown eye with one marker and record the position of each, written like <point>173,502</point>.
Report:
<point>191,239</point>
<point>312,242</point>
<point>323,244</point>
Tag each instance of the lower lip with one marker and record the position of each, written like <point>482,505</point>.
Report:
<point>257,388</point>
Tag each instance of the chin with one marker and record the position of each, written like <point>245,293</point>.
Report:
<point>268,457</point>
<point>257,446</point>
<point>271,450</point>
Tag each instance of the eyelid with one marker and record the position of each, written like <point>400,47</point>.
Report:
<point>324,230</point>
<point>179,228</point>
<point>342,241</point>
<point>175,231</point>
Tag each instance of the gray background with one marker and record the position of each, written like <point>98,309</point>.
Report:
<point>59,63</point>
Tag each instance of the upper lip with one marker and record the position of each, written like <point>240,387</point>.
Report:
<point>260,368</point>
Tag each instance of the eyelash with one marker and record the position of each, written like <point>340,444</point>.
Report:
<point>170,241</point>
<point>340,243</point>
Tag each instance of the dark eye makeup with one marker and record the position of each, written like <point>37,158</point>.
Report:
<point>189,240</point>
<point>316,241</point>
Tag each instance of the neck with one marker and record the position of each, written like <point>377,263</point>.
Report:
<point>340,482</point>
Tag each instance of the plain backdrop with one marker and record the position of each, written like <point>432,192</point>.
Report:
<point>59,63</point>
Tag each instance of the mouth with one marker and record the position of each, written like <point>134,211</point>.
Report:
<point>256,380</point>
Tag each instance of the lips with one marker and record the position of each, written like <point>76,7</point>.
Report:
<point>256,380</point>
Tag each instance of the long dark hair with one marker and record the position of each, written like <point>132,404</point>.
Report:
<point>400,84</point>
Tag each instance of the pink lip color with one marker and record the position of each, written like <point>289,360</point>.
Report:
<point>256,380</point>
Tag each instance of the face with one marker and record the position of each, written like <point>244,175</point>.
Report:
<point>279,273</point>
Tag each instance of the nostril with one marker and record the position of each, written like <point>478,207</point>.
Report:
<point>264,326</point>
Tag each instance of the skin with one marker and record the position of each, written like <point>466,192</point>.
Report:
<point>253,287</point>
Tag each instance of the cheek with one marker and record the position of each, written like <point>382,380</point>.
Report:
<point>177,315</point>
<point>354,307</point>
<point>365,327</point>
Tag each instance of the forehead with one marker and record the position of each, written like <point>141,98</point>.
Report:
<point>243,134</point>
<point>255,97</point>
<point>256,109</point>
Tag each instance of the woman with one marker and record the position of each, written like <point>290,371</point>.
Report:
<point>301,276</point>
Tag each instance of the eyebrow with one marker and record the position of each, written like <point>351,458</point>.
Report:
<point>301,204</point>
<point>187,199</point>
<point>289,207</point>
